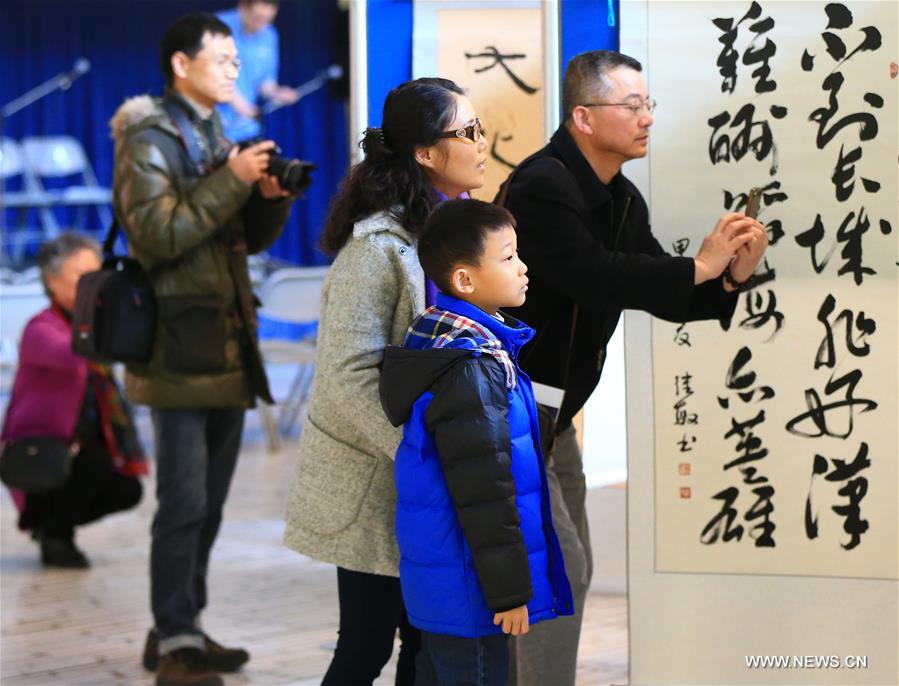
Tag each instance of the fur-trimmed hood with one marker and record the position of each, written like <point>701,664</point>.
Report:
<point>134,111</point>
<point>187,227</point>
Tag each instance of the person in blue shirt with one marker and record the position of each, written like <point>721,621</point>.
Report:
<point>257,47</point>
<point>479,556</point>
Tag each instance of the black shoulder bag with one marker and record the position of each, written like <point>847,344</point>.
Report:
<point>115,310</point>
<point>36,465</point>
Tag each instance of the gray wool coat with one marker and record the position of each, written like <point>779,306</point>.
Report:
<point>343,502</point>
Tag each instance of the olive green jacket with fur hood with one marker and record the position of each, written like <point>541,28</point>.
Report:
<point>192,233</point>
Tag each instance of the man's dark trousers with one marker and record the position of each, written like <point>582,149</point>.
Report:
<point>547,654</point>
<point>196,452</point>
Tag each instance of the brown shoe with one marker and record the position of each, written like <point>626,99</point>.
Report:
<point>224,659</point>
<point>186,667</point>
<point>220,658</point>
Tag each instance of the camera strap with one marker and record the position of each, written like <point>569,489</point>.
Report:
<point>188,135</point>
<point>246,307</point>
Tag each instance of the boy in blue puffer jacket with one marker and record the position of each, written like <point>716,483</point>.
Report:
<point>479,557</point>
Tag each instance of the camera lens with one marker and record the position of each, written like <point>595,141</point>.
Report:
<point>293,175</point>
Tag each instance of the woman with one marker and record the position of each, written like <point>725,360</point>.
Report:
<point>57,394</point>
<point>342,507</point>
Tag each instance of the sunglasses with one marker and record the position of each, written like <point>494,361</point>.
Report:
<point>472,132</point>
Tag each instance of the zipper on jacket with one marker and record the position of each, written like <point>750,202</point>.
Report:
<point>601,353</point>
<point>627,206</point>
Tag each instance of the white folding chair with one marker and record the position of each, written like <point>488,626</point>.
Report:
<point>288,318</point>
<point>64,156</point>
<point>29,196</point>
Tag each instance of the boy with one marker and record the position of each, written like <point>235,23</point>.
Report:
<point>479,558</point>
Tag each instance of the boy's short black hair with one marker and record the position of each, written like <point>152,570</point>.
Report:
<point>186,35</point>
<point>454,234</point>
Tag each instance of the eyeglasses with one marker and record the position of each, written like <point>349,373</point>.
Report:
<point>222,62</point>
<point>635,106</point>
<point>472,132</point>
<point>236,63</point>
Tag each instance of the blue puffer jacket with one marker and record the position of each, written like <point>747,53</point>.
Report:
<point>473,518</point>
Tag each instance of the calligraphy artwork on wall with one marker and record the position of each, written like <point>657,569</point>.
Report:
<point>776,433</point>
<point>497,56</point>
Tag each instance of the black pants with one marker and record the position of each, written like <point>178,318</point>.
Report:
<point>371,610</point>
<point>94,489</point>
<point>196,454</point>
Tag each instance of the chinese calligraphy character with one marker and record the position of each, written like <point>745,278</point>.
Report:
<point>750,454</point>
<point>817,413</point>
<point>761,310</point>
<point>855,487</point>
<point>751,136</point>
<point>495,154</point>
<point>727,59</point>
<point>856,345</point>
<point>499,59</point>
<point>850,236</point>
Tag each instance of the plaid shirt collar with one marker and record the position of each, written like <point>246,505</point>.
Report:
<point>454,323</point>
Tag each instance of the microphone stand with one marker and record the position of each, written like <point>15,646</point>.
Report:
<point>303,90</point>
<point>62,81</point>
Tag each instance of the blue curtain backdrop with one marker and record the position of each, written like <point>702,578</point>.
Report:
<point>41,38</point>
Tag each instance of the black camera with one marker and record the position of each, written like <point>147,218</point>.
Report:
<point>293,175</point>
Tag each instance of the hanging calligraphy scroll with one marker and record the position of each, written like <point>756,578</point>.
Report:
<point>776,437</point>
<point>495,51</point>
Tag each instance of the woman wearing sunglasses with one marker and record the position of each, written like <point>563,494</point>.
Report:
<point>430,148</point>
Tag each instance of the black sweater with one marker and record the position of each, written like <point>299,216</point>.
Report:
<point>590,251</point>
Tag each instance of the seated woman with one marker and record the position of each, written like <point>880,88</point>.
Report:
<point>58,394</point>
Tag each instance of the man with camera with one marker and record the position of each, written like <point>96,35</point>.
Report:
<point>193,207</point>
<point>584,232</point>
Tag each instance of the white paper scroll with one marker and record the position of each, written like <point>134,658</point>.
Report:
<point>776,441</point>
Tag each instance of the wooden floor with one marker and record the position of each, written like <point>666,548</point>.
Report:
<point>88,627</point>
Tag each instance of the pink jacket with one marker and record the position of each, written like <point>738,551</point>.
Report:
<point>50,382</point>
